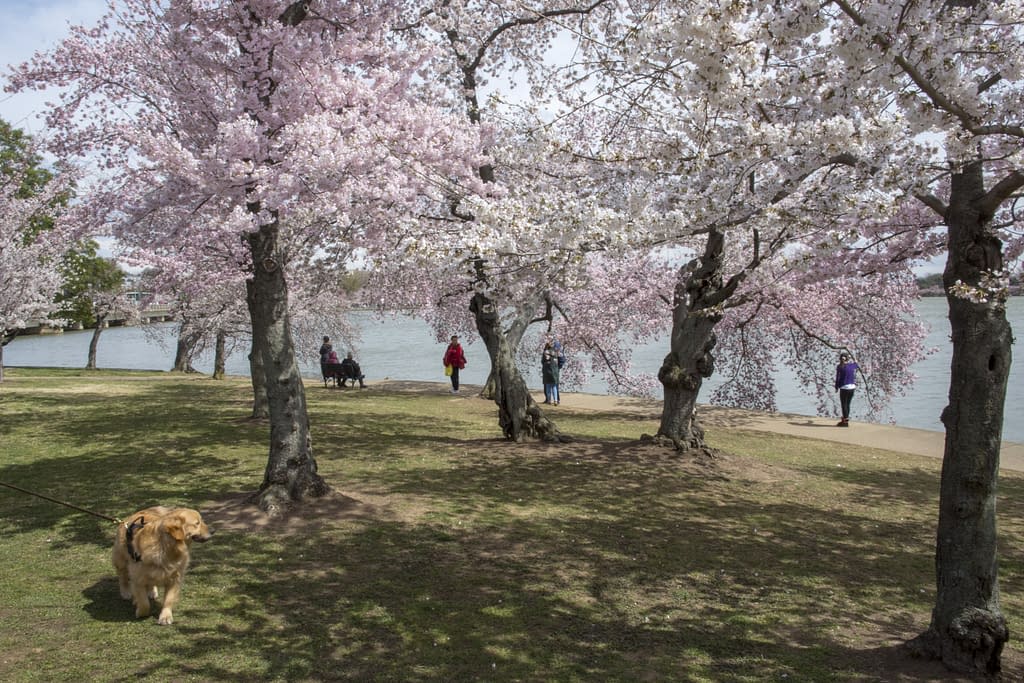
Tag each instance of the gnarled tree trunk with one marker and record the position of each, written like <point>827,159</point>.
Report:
<point>525,316</point>
<point>695,313</point>
<point>968,629</point>
<point>291,473</point>
<point>518,414</point>
<point>185,348</point>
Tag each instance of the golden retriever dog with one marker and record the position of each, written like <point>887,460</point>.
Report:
<point>152,551</point>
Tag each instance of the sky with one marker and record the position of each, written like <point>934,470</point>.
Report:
<point>28,26</point>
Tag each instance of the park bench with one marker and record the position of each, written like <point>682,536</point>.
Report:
<point>333,371</point>
<point>336,372</point>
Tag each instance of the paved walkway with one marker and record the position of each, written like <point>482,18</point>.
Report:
<point>889,437</point>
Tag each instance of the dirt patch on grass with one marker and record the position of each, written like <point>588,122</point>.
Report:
<point>236,513</point>
<point>886,656</point>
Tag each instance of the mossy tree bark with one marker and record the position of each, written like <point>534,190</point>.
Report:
<point>696,310</point>
<point>260,406</point>
<point>518,414</point>
<point>220,355</point>
<point>188,338</point>
<point>968,629</point>
<point>526,315</point>
<point>94,342</point>
<point>291,472</point>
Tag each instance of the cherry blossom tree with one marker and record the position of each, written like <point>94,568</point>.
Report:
<point>29,279</point>
<point>922,102</point>
<point>31,243</point>
<point>942,83</point>
<point>480,41</point>
<point>232,118</point>
<point>531,248</point>
<point>736,198</point>
<point>205,283</point>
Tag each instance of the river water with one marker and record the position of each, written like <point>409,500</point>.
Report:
<point>404,348</point>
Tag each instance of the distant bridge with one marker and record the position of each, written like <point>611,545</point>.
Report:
<point>156,313</point>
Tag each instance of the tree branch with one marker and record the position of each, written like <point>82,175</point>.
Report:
<point>529,21</point>
<point>1000,192</point>
<point>939,100</point>
<point>934,203</point>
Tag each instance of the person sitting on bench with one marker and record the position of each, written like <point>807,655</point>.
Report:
<point>350,371</point>
<point>332,368</point>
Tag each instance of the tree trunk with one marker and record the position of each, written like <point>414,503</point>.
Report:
<point>185,348</point>
<point>968,629</point>
<point>513,337</point>
<point>291,473</point>
<point>699,292</point>
<point>94,343</point>
<point>490,389</point>
<point>260,405</point>
<point>518,414</point>
<point>219,356</point>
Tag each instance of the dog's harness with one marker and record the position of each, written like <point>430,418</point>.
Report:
<point>130,529</point>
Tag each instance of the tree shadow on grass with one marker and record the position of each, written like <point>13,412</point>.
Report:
<point>525,568</point>
<point>496,561</point>
<point>415,602</point>
<point>123,459</point>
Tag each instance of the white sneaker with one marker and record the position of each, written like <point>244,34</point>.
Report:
<point>455,391</point>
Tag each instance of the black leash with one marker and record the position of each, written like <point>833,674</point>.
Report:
<point>130,529</point>
<point>61,502</point>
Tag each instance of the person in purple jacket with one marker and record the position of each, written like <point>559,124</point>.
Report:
<point>846,383</point>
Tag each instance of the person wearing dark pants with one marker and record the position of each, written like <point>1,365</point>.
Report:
<point>456,360</point>
<point>350,370</point>
<point>846,384</point>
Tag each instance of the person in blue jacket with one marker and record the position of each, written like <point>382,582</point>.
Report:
<point>846,384</point>
<point>550,369</point>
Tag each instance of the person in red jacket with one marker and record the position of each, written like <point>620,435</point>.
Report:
<point>454,357</point>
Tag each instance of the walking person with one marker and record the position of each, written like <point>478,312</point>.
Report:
<point>846,384</point>
<point>549,369</point>
<point>456,360</point>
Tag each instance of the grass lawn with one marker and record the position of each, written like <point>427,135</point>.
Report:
<point>447,554</point>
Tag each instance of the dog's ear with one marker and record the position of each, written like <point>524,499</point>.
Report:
<point>174,527</point>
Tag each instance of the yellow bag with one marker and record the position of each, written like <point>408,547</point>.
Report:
<point>448,371</point>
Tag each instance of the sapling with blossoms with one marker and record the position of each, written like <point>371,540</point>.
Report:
<point>230,118</point>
